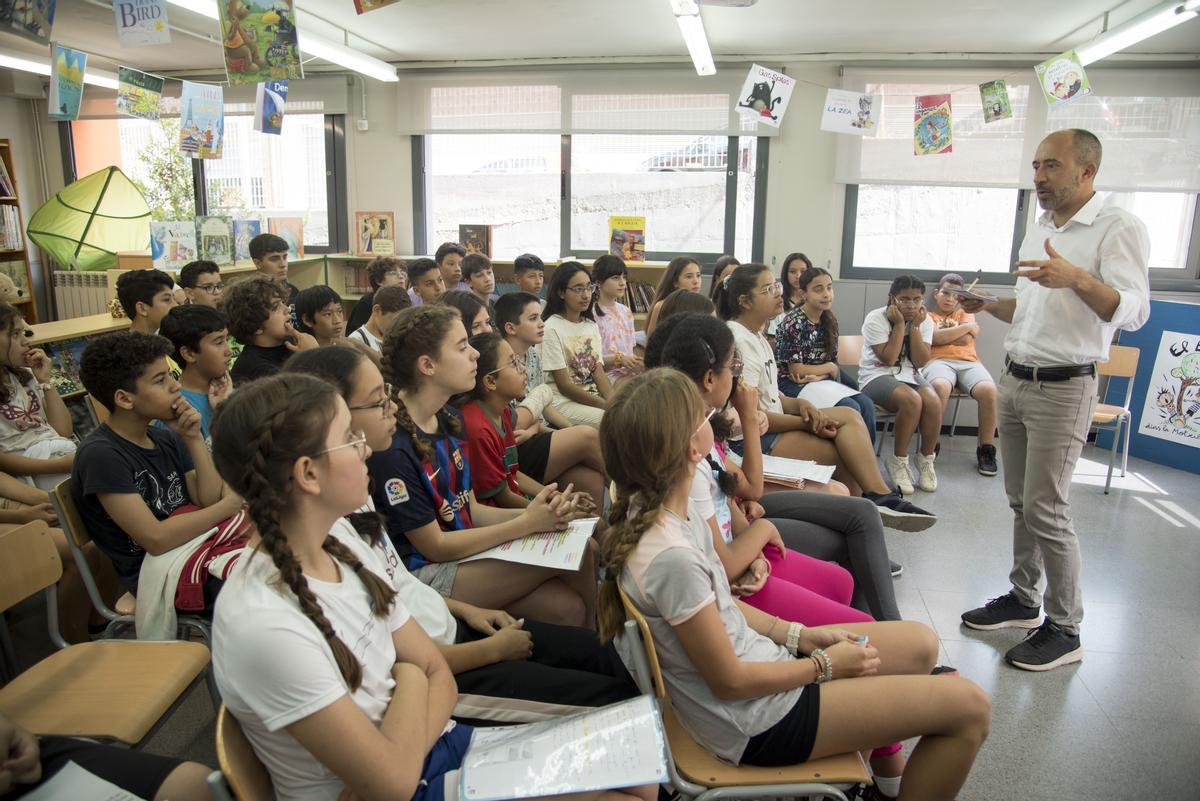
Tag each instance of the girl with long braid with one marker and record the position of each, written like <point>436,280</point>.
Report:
<point>422,485</point>
<point>752,688</point>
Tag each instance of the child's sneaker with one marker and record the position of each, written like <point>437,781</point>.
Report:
<point>897,468</point>
<point>986,456</point>
<point>926,478</point>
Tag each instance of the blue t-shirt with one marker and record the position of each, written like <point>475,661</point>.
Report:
<point>199,402</point>
<point>411,493</point>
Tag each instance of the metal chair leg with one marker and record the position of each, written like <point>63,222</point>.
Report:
<point>954,419</point>
<point>1112,458</point>
<point>1128,421</point>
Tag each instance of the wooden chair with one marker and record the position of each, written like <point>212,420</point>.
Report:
<point>698,774</point>
<point>99,413</point>
<point>242,776</point>
<point>850,350</point>
<point>111,689</point>
<point>1122,363</point>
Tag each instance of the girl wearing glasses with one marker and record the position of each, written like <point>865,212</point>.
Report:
<point>572,357</point>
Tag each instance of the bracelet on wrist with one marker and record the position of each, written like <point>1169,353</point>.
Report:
<point>792,643</point>
<point>826,672</point>
<point>45,386</point>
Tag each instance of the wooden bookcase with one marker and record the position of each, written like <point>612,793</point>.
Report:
<point>15,261</point>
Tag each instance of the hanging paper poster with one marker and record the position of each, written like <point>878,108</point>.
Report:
<point>627,238</point>
<point>1062,78</point>
<point>138,93</point>
<point>363,6</point>
<point>32,19</point>
<point>765,95</point>
<point>994,96</point>
<point>932,130</point>
<point>291,230</point>
<point>66,82</point>
<point>141,22</point>
<point>259,39</point>
<point>1172,408</point>
<point>172,244</point>
<point>269,101</point>
<point>201,120</point>
<point>850,113</point>
<point>243,232</point>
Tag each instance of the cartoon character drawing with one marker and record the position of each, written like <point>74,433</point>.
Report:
<point>760,100</point>
<point>863,120</point>
<point>240,51</point>
<point>1188,373</point>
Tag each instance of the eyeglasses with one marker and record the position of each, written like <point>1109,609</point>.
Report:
<point>582,289</point>
<point>707,417</point>
<point>774,290</point>
<point>19,333</point>
<point>735,367</point>
<point>381,405</point>
<point>513,363</point>
<point>908,301</point>
<point>358,440</point>
<point>212,289</point>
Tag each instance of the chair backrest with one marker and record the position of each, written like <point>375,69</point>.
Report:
<point>1122,361</point>
<point>850,350</point>
<point>69,518</point>
<point>245,773</point>
<point>98,409</point>
<point>660,688</point>
<point>28,563</point>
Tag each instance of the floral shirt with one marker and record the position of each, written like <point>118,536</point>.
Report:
<point>616,335</point>
<point>802,341</point>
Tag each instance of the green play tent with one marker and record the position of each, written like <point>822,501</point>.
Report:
<point>84,225</point>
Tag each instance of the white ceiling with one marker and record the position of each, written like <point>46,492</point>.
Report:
<point>515,30</point>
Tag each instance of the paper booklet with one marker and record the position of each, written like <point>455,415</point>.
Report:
<point>779,470</point>
<point>969,295</point>
<point>825,393</point>
<point>79,784</point>
<point>621,745</point>
<point>561,550</point>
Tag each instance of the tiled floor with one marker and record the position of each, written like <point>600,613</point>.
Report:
<point>1124,724</point>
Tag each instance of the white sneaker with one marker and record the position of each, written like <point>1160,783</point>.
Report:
<point>926,478</point>
<point>897,468</point>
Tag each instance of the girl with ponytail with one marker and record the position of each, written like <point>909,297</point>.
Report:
<point>752,688</point>
<point>422,485</point>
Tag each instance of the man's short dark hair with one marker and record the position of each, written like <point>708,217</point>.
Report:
<point>508,309</point>
<point>189,276</point>
<point>185,326</point>
<point>380,266</point>
<point>140,286</point>
<point>312,300</point>
<point>446,249</point>
<point>263,244</point>
<point>391,299</point>
<point>419,267</point>
<point>526,262</point>
<point>1086,146</point>
<point>247,305</point>
<point>117,361</point>
<point>475,263</point>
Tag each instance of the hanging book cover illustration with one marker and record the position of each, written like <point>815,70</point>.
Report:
<point>765,95</point>
<point>243,232</point>
<point>994,97</point>
<point>66,82</point>
<point>932,125</point>
<point>138,93</point>
<point>627,238</point>
<point>269,101</point>
<point>201,120</point>
<point>172,244</point>
<point>259,40</point>
<point>141,22</point>
<point>215,235</point>
<point>1062,78</point>
<point>850,113</point>
<point>32,19</point>
<point>363,6</point>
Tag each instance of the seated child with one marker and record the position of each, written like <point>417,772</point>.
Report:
<point>794,265</point>
<point>424,282</point>
<point>681,301</point>
<point>131,480</point>
<point>615,320</point>
<point>200,335</point>
<point>319,312</point>
<point>201,283</point>
<point>381,271</point>
<point>682,272</point>
<point>954,363</point>
<point>386,303</point>
<point>35,424</point>
<point>476,317</point>
<point>259,318</point>
<point>529,273</point>
<point>449,258</point>
<point>270,255</point>
<point>147,296</point>
<point>571,351</point>
<point>722,267</point>
<point>478,274</point>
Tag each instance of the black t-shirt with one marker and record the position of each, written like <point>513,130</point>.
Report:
<point>361,312</point>
<point>105,463</point>
<point>256,361</point>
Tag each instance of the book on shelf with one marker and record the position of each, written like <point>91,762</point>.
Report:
<point>215,236</point>
<point>357,282</point>
<point>11,235</point>
<point>375,233</point>
<point>627,238</point>
<point>476,239</point>
<point>243,232</point>
<point>172,244</point>
<point>639,296</point>
<point>6,185</point>
<point>291,229</point>
<point>64,364</point>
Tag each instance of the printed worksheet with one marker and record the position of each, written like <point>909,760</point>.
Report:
<point>79,784</point>
<point>796,468</point>
<point>562,550</point>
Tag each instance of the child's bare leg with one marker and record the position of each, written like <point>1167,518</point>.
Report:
<point>577,445</point>
<point>188,782</point>
<point>985,395</point>
<point>943,389</point>
<point>855,451</point>
<point>906,403</point>
<point>905,647</point>
<point>540,593</point>
<point>931,419</point>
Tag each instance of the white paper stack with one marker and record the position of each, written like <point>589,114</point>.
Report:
<point>794,472</point>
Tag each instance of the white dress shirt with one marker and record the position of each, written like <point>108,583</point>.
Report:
<point>1054,326</point>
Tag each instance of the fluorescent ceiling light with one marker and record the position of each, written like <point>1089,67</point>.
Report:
<point>313,45</point>
<point>90,76</point>
<point>687,14</point>
<point>1158,19</point>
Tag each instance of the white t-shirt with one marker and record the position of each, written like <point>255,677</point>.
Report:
<point>876,331</point>
<point>274,668</point>
<point>708,498</point>
<point>23,421</point>
<point>574,346</point>
<point>758,366</point>
<point>367,338</point>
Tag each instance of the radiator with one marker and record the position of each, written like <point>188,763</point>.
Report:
<point>80,294</point>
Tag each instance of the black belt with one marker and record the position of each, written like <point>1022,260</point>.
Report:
<point>1048,373</point>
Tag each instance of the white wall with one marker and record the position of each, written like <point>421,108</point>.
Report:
<point>379,161</point>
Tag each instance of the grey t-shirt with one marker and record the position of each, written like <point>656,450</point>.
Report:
<point>672,574</point>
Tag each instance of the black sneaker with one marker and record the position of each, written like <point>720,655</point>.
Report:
<point>1047,647</point>
<point>1005,612</point>
<point>897,568</point>
<point>899,514</point>
<point>986,456</point>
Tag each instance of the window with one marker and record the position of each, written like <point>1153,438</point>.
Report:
<point>257,196</point>
<point>146,151</point>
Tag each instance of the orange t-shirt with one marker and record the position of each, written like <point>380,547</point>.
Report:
<point>963,348</point>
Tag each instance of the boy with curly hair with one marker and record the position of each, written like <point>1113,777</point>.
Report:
<point>260,319</point>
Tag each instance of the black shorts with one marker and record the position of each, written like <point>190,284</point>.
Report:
<point>133,771</point>
<point>790,741</point>
<point>534,455</point>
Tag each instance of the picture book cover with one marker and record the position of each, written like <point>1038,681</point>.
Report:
<point>243,232</point>
<point>66,82</point>
<point>994,96</point>
<point>269,100</point>
<point>15,270</point>
<point>201,120</point>
<point>172,244</point>
<point>215,235</point>
<point>932,128</point>
<point>64,364</point>
<point>627,238</point>
<point>363,6</point>
<point>376,233</point>
<point>850,113</point>
<point>292,231</point>
<point>259,39</point>
<point>138,93</point>
<point>1062,78</point>
<point>765,95</point>
<point>32,19</point>
<point>476,239</point>
<point>141,22</point>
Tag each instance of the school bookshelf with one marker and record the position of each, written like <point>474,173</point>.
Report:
<point>14,248</point>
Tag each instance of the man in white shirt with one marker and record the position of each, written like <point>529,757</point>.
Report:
<point>1092,281</point>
